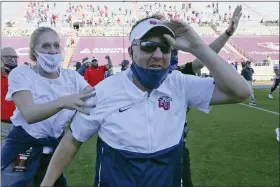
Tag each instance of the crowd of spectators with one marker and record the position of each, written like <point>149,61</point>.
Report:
<point>106,20</point>
<point>122,31</point>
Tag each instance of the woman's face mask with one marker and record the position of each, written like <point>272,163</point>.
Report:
<point>49,63</point>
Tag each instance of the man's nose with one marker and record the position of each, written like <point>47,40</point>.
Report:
<point>157,54</point>
<point>13,60</point>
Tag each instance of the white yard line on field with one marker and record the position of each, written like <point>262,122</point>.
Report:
<point>258,108</point>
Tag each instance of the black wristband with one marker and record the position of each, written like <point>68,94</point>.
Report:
<point>228,33</point>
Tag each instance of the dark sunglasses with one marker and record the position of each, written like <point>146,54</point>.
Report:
<point>11,57</point>
<point>150,47</point>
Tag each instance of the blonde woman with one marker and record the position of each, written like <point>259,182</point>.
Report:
<point>46,98</point>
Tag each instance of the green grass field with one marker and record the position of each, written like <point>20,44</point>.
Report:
<point>234,145</point>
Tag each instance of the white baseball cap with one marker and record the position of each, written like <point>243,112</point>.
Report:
<point>145,26</point>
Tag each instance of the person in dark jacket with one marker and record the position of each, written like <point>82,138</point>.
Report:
<point>124,65</point>
<point>85,65</point>
<point>247,72</point>
<point>78,65</point>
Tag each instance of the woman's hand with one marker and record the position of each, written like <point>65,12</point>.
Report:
<point>77,101</point>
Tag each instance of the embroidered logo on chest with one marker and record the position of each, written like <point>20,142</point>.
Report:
<point>164,102</point>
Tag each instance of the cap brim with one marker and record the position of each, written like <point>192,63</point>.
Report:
<point>146,26</point>
<point>167,29</point>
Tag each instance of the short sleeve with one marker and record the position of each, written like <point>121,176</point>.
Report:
<point>83,127</point>
<point>81,82</point>
<point>198,91</point>
<point>17,81</point>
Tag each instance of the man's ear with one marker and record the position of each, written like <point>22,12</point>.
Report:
<point>2,63</point>
<point>2,66</point>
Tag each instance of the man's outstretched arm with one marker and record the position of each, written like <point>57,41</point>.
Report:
<point>230,87</point>
<point>109,64</point>
<point>62,157</point>
<point>220,42</point>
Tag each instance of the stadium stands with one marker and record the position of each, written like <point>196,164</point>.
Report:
<point>113,19</point>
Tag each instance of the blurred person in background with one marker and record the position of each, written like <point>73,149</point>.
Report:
<point>267,60</point>
<point>243,65</point>
<point>236,66</point>
<point>46,98</point>
<point>248,72</point>
<point>27,64</point>
<point>109,73</point>
<point>277,130</point>
<point>242,60</point>
<point>84,66</point>
<point>9,61</point>
<point>95,73</point>
<point>124,65</point>
<point>174,60</point>
<point>275,81</point>
<point>78,65</point>
<point>274,86</point>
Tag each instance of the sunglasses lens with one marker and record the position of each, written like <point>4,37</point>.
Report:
<point>148,48</point>
<point>152,46</point>
<point>165,49</point>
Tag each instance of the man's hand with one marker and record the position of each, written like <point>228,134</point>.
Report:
<point>186,38</point>
<point>234,20</point>
<point>109,65</point>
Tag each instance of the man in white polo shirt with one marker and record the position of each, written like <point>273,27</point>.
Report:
<point>143,150</point>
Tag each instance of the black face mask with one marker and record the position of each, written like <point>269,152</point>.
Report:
<point>8,68</point>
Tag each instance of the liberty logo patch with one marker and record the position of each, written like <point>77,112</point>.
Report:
<point>164,102</point>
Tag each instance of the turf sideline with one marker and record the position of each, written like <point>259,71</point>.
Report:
<point>258,108</point>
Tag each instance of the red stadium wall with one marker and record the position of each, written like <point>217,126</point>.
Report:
<point>259,47</point>
<point>116,47</point>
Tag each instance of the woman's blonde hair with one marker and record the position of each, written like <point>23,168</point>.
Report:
<point>34,40</point>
